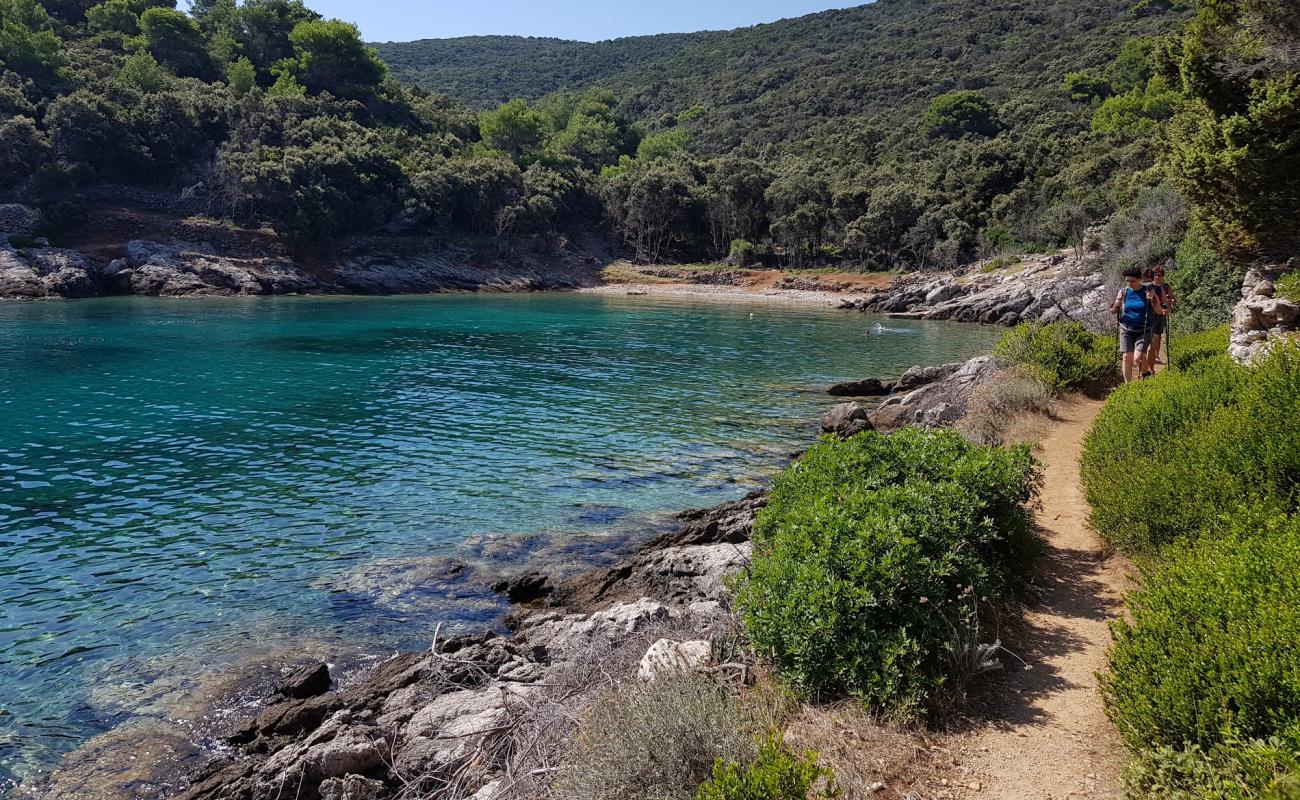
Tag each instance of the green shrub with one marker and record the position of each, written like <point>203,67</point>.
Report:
<point>777,774</point>
<point>1171,454</point>
<point>1258,769</point>
<point>1065,355</point>
<point>1288,286</point>
<point>1212,646</point>
<point>1207,285</point>
<point>1193,348</point>
<point>871,554</point>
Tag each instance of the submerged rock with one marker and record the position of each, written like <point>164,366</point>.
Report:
<point>866,387</point>
<point>527,588</point>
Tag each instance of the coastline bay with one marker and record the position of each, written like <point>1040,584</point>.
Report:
<point>187,476</point>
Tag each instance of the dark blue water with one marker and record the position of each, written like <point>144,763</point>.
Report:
<point>199,477</point>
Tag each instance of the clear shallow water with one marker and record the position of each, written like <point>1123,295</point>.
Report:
<point>200,476</point>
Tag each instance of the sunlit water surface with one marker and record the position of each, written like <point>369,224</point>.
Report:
<point>198,477</point>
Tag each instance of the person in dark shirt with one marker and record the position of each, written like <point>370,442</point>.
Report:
<point>1164,306</point>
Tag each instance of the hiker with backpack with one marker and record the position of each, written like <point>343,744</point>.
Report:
<point>1135,310</point>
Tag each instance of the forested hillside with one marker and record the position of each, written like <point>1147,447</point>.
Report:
<point>907,133</point>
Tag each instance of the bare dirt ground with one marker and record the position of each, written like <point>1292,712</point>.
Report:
<point>1042,733</point>
<point>818,288</point>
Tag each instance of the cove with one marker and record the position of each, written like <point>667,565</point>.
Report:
<point>185,482</point>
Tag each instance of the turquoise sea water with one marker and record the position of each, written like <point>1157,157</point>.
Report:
<point>199,476</point>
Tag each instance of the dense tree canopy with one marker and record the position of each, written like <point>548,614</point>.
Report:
<point>908,133</point>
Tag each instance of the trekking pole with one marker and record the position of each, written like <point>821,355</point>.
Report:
<point>1169,338</point>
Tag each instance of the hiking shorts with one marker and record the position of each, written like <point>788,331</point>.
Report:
<point>1131,340</point>
<point>1162,325</point>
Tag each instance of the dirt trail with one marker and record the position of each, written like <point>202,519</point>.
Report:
<point>1047,737</point>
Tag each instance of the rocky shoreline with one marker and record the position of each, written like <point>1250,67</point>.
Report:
<point>482,715</point>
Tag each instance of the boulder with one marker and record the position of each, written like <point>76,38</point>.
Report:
<point>846,420</point>
<point>306,681</point>
<point>917,377</point>
<point>938,404</point>
<point>667,657</point>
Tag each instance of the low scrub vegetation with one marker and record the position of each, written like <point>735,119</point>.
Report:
<point>1193,348</point>
<point>871,559</point>
<point>660,741</point>
<point>776,774</point>
<point>1195,471</point>
<point>1064,355</point>
<point>995,404</point>
<point>1170,455</point>
<point>1204,677</point>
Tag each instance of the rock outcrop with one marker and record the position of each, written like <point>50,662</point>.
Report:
<point>44,272</point>
<point>1047,288</point>
<point>1261,316</point>
<point>176,269</point>
<point>445,717</point>
<point>936,404</point>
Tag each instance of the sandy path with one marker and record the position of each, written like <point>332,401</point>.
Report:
<point>1047,737</point>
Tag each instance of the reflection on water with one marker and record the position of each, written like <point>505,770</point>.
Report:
<point>181,476</point>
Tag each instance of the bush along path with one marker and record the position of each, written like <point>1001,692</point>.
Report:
<point>1047,735</point>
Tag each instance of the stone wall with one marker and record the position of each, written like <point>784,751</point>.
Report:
<point>1261,316</point>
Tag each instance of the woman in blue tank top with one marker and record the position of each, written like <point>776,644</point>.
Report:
<point>1135,308</point>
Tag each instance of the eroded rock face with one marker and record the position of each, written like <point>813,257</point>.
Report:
<point>45,272</point>
<point>178,269</point>
<point>937,404</point>
<point>1047,288</point>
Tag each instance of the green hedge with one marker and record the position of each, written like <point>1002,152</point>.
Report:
<point>1213,643</point>
<point>1170,455</point>
<point>1065,355</point>
<point>871,554</point>
<point>1188,350</point>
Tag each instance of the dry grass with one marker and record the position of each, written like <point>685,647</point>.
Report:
<point>1000,402</point>
<point>872,758</point>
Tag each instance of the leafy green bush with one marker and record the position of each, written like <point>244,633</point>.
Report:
<point>1169,455</point>
<point>1207,285</point>
<point>1288,286</point>
<point>871,554</point>
<point>1257,769</point>
<point>777,774</point>
<point>1064,355</point>
<point>1193,348</point>
<point>1212,646</point>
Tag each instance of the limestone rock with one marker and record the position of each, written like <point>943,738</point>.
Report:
<point>353,787</point>
<point>667,657</point>
<point>937,404</point>
<point>917,377</point>
<point>846,420</point>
